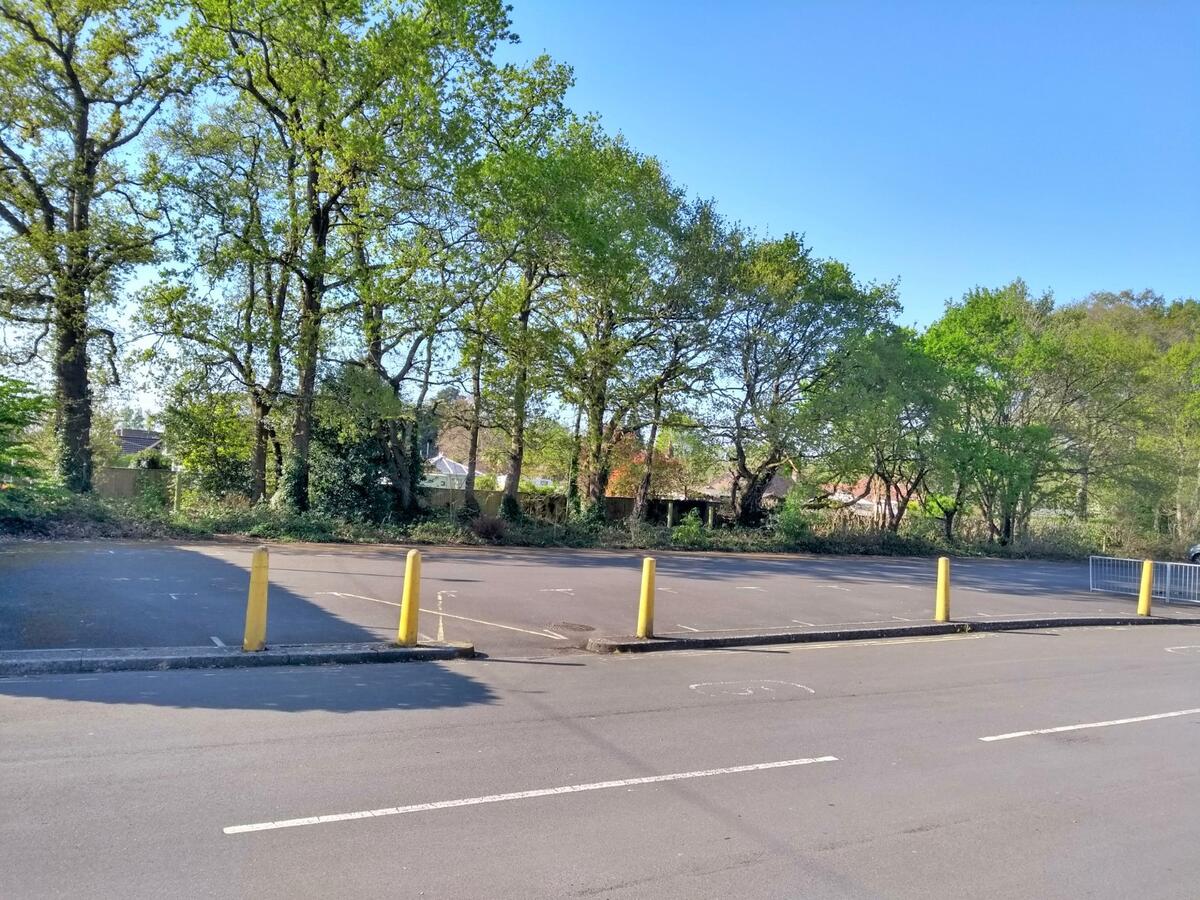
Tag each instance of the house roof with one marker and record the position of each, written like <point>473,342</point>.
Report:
<point>135,440</point>
<point>777,488</point>
<point>446,466</point>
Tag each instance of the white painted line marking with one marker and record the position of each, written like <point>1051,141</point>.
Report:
<point>570,591</point>
<point>901,619</point>
<point>520,795</point>
<point>799,622</point>
<point>748,588</point>
<point>687,627</point>
<point>1186,648</point>
<point>663,590</point>
<point>441,620</point>
<point>216,640</point>
<point>744,688</point>
<point>1062,728</point>
<point>433,612</point>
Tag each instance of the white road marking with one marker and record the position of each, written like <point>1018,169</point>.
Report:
<point>1187,648</point>
<point>546,632</point>
<point>687,627</point>
<point>799,622</point>
<point>441,619</point>
<point>663,590</point>
<point>520,795</point>
<point>1062,728</point>
<point>901,619</point>
<point>743,688</point>
<point>748,588</point>
<point>216,640</point>
<point>556,591</point>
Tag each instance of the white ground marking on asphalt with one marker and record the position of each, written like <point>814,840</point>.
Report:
<point>901,619</point>
<point>663,590</point>
<point>1187,648</point>
<point>521,795</point>
<point>546,632</point>
<point>1061,728</point>
<point>743,688</point>
<point>441,619</point>
<point>687,627</point>
<point>799,622</point>
<point>747,588</point>
<point>833,587</point>
<point>216,640</point>
<point>556,591</point>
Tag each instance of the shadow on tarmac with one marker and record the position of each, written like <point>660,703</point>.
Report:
<point>152,595</point>
<point>335,689</point>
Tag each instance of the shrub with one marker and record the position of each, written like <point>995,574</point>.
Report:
<point>690,532</point>
<point>440,531</point>
<point>489,529</point>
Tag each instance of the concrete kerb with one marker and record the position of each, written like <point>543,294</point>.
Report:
<point>717,641</point>
<point>127,659</point>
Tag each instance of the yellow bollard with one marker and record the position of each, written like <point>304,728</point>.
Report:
<point>1147,587</point>
<point>256,603</point>
<point>646,606</point>
<point>410,604</point>
<point>941,612</point>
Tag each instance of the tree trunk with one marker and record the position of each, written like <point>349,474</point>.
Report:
<point>573,466</point>
<point>470,501</point>
<point>306,370</point>
<point>510,505</point>
<point>73,422</point>
<point>1082,499</point>
<point>641,500</point>
<point>748,505</point>
<point>948,524</point>
<point>258,459</point>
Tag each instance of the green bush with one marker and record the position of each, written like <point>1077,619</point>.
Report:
<point>440,531</point>
<point>690,532</point>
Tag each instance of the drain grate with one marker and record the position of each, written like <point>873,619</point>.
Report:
<point>572,626</point>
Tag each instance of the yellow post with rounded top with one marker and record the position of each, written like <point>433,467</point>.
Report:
<point>941,611</point>
<point>645,627</point>
<point>255,637</point>
<point>410,604</point>
<point>1147,587</point>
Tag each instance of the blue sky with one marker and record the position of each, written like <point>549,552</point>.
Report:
<point>945,144</point>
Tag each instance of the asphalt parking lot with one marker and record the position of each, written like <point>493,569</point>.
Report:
<point>1044,764</point>
<point>505,601</point>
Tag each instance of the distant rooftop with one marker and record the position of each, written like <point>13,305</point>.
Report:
<point>135,440</point>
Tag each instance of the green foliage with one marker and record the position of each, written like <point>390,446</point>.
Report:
<point>21,409</point>
<point>690,531</point>
<point>210,436</point>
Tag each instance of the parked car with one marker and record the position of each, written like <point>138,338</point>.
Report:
<point>1194,553</point>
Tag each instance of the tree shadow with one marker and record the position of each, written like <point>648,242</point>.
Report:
<point>336,689</point>
<point>146,595</point>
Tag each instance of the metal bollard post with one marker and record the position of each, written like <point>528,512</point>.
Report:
<point>406,635</point>
<point>941,611</point>
<point>255,637</point>
<point>645,626</point>
<point>1146,588</point>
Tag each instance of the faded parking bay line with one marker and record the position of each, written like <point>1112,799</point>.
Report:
<point>1062,728</point>
<point>521,795</point>
<point>437,612</point>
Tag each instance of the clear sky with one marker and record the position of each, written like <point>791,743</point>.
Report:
<point>945,144</point>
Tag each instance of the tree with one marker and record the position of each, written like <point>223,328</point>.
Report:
<point>20,410</point>
<point>81,80</point>
<point>880,419</point>
<point>228,308</point>
<point>353,92</point>
<point>790,324</point>
<point>994,346</point>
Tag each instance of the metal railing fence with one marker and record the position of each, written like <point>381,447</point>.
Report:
<point>1173,582</point>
